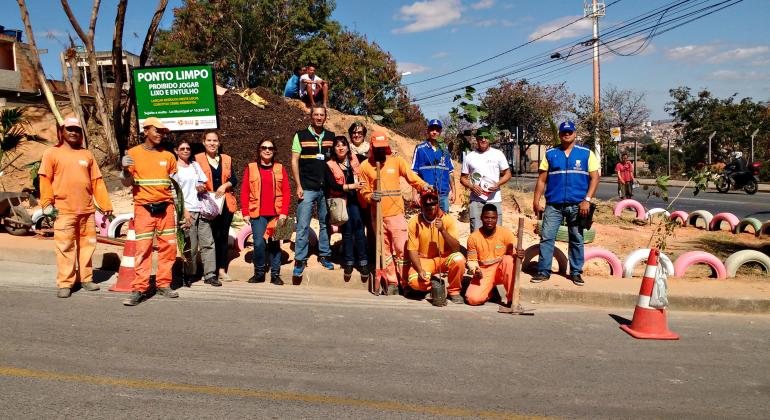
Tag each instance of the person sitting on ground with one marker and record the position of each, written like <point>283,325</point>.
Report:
<point>490,257</point>
<point>291,90</point>
<point>433,248</point>
<point>312,89</point>
<point>70,182</point>
<point>392,169</point>
<point>192,181</point>
<point>262,206</point>
<point>343,180</point>
<point>625,171</point>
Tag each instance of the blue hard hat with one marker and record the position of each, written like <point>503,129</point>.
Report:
<point>566,126</point>
<point>435,122</point>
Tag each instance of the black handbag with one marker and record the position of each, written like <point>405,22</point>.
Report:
<point>156,209</point>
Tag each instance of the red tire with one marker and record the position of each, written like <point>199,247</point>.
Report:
<point>681,215</point>
<point>699,257</point>
<point>641,214</point>
<point>718,218</point>
<point>616,267</point>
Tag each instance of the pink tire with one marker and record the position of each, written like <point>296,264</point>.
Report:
<point>616,267</point>
<point>681,215</point>
<point>243,234</point>
<point>102,224</point>
<point>641,214</point>
<point>718,218</point>
<point>699,257</point>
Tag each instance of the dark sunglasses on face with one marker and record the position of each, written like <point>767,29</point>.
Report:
<point>358,133</point>
<point>271,148</point>
<point>182,149</point>
<point>74,129</point>
<point>567,133</point>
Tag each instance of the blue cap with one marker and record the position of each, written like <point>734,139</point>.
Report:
<point>437,123</point>
<point>566,126</point>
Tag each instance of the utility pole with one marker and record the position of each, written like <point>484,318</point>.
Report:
<point>711,137</point>
<point>754,134</point>
<point>668,169</point>
<point>595,10</point>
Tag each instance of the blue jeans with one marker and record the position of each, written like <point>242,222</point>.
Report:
<point>552,218</point>
<point>353,237</point>
<point>443,202</point>
<point>258,227</point>
<point>304,213</point>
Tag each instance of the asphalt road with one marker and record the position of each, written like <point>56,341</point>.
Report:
<point>295,352</point>
<point>736,202</point>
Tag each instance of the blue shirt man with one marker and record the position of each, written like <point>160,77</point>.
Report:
<point>291,90</point>
<point>431,161</point>
<point>569,175</point>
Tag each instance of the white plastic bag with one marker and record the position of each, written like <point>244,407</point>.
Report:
<point>659,298</point>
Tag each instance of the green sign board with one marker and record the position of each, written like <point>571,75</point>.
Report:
<point>182,97</point>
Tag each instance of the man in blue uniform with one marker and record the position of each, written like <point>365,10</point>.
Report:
<point>569,175</point>
<point>431,161</point>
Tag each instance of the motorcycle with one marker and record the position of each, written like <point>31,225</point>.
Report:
<point>746,180</point>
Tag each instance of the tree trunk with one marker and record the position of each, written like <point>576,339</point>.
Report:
<point>36,61</point>
<point>118,68</point>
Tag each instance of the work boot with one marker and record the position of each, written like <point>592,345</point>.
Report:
<point>577,279</point>
<point>325,263</point>
<point>64,292</point>
<point>457,299</point>
<point>363,268</point>
<point>437,291</point>
<point>392,289</point>
<point>186,280</point>
<point>276,280</point>
<point>90,286</point>
<point>167,292</point>
<point>299,268</point>
<point>257,277</point>
<point>348,272</point>
<point>213,280</point>
<point>135,298</point>
<point>539,278</point>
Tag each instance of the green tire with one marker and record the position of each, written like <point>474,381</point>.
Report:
<point>562,235</point>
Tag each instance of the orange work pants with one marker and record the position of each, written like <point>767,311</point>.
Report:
<point>75,238</point>
<point>394,242</point>
<point>147,227</point>
<point>453,265</point>
<point>498,273</point>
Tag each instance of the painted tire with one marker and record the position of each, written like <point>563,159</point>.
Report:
<point>739,228</point>
<point>681,215</point>
<point>562,235</point>
<point>624,204</point>
<point>764,229</point>
<point>243,234</point>
<point>635,257</point>
<point>616,267</point>
<point>656,210</point>
<point>37,218</point>
<point>113,230</point>
<point>534,251</point>
<point>102,224</point>
<point>232,236</point>
<point>700,214</point>
<point>699,257</point>
<point>718,218</point>
<point>735,261</point>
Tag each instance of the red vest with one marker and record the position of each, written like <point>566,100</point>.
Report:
<point>339,175</point>
<point>255,188</point>
<point>226,163</point>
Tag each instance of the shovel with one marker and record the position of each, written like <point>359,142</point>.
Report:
<point>380,274</point>
<point>513,306</point>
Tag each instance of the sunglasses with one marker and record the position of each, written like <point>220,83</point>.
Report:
<point>358,133</point>
<point>182,149</point>
<point>77,129</point>
<point>430,204</point>
<point>567,133</point>
<point>270,148</point>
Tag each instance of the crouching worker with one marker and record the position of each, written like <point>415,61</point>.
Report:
<point>147,168</point>
<point>433,248</point>
<point>70,182</point>
<point>490,257</point>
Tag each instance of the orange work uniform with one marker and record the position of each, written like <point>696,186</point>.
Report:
<point>428,242</point>
<point>152,185</point>
<point>392,207</point>
<point>70,180</point>
<point>494,256</point>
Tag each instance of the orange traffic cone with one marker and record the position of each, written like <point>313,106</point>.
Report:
<point>126,274</point>
<point>649,322</point>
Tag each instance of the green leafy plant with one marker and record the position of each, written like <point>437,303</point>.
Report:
<point>475,115</point>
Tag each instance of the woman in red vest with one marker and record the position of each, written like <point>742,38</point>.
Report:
<point>265,196</point>
<point>219,171</point>
<point>343,180</point>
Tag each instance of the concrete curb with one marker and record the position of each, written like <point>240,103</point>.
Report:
<point>108,258</point>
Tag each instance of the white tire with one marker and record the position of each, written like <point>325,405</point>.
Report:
<point>113,231</point>
<point>735,261</point>
<point>635,257</point>
<point>692,219</point>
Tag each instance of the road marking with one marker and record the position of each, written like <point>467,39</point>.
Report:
<point>264,395</point>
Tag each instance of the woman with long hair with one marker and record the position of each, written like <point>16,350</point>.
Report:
<point>192,181</point>
<point>265,196</point>
<point>218,168</point>
<point>342,180</point>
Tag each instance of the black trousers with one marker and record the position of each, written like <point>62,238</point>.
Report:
<point>220,229</point>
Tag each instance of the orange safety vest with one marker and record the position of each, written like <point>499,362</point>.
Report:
<point>339,175</point>
<point>227,164</point>
<point>255,188</point>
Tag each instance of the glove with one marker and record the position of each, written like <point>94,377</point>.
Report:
<point>49,211</point>
<point>376,196</point>
<point>127,161</point>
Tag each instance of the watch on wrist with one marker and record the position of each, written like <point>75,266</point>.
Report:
<point>587,199</point>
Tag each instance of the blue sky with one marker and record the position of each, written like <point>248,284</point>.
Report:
<point>726,52</point>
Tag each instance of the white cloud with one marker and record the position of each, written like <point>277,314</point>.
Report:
<point>739,54</point>
<point>717,54</point>
<point>734,75</point>
<point>428,14</point>
<point>486,23</point>
<point>580,28</point>
<point>440,54</point>
<point>404,66</point>
<point>483,4</point>
<point>507,23</point>
<point>691,52</point>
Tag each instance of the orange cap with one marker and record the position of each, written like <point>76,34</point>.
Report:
<point>379,139</point>
<point>154,122</point>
